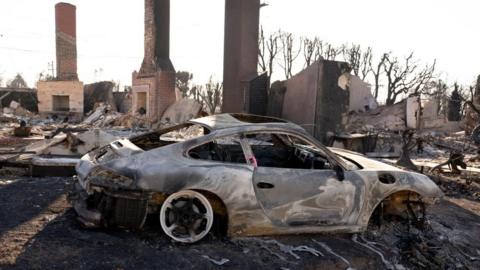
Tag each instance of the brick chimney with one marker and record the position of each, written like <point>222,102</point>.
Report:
<point>154,85</point>
<point>157,37</point>
<point>66,41</point>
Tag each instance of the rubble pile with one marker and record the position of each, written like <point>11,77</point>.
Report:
<point>58,140</point>
<point>15,109</point>
<point>104,116</point>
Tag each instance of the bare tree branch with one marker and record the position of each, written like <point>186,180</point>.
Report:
<point>290,52</point>
<point>310,49</point>
<point>352,55</point>
<point>211,96</point>
<point>403,78</point>
<point>267,51</point>
<point>261,51</point>
<point>377,72</point>
<point>365,63</point>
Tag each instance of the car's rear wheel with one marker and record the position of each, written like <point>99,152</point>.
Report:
<point>186,216</point>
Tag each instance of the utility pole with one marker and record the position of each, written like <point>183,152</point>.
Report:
<point>51,67</point>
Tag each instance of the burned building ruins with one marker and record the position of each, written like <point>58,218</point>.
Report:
<point>63,94</point>
<point>154,84</point>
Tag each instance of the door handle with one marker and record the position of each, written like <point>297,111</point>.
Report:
<point>265,185</point>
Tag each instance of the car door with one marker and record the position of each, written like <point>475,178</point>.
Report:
<point>307,197</point>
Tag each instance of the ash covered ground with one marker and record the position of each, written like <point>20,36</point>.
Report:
<point>38,230</point>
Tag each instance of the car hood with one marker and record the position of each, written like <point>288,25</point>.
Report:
<point>116,150</point>
<point>365,162</point>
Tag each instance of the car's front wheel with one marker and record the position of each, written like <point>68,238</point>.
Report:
<point>186,216</point>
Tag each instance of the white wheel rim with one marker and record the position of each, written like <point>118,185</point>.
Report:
<point>186,216</point>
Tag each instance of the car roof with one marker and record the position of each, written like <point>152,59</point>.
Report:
<point>230,120</point>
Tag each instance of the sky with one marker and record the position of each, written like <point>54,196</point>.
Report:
<point>110,34</point>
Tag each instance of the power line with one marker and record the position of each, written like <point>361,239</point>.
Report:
<point>79,55</point>
<point>51,67</point>
<point>22,50</point>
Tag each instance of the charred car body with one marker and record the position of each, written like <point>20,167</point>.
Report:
<point>248,175</point>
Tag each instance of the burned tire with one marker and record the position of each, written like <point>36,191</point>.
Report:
<point>186,216</point>
<point>129,213</point>
<point>404,206</point>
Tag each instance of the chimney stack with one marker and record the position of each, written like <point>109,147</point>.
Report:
<point>66,41</point>
<point>157,37</point>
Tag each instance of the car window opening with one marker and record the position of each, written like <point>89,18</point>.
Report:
<point>286,151</point>
<point>267,150</point>
<point>169,136</point>
<point>225,149</point>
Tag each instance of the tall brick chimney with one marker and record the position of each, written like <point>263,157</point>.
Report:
<point>154,85</point>
<point>66,41</point>
<point>157,37</point>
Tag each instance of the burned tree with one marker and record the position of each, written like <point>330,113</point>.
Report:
<point>352,55</point>
<point>182,82</point>
<point>267,51</point>
<point>310,49</point>
<point>262,51</point>
<point>328,51</point>
<point>472,112</point>
<point>195,93</point>
<point>360,61</point>
<point>455,104</point>
<point>17,82</point>
<point>290,52</point>
<point>209,95</point>
<point>377,72</point>
<point>408,145</point>
<point>406,77</point>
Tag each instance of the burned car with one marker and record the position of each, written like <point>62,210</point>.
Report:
<point>244,175</point>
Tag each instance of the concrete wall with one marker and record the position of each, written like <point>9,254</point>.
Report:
<point>360,95</point>
<point>276,97</point>
<point>332,100</point>
<point>300,98</point>
<point>315,100</point>
<point>434,119</point>
<point>47,89</point>
<point>412,112</point>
